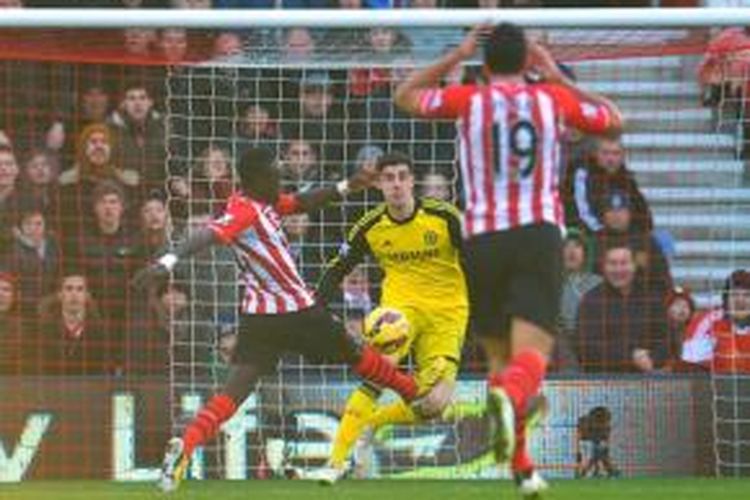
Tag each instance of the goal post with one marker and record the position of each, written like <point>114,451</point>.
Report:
<point>320,97</point>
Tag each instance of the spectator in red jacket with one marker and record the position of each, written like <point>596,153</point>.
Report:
<point>720,338</point>
<point>732,333</point>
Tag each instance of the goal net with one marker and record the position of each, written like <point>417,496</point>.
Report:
<point>121,142</point>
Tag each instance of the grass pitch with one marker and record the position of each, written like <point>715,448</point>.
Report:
<point>613,489</point>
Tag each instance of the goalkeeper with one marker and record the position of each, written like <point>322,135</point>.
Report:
<point>417,244</point>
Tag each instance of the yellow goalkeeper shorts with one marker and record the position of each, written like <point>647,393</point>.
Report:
<point>435,335</point>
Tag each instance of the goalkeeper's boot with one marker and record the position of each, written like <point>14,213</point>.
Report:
<point>502,421</point>
<point>328,475</point>
<point>174,466</point>
<point>530,484</point>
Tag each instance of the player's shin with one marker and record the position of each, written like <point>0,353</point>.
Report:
<point>359,408</point>
<point>207,422</point>
<point>378,369</point>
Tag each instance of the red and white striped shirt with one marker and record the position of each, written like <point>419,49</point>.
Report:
<point>253,230</point>
<point>510,147</point>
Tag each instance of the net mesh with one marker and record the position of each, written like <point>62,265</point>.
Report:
<point>178,109</point>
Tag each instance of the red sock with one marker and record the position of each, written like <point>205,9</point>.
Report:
<point>377,369</point>
<point>522,378</point>
<point>206,423</point>
<point>521,460</point>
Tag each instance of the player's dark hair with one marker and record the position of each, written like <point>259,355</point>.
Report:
<point>394,158</point>
<point>258,174</point>
<point>505,49</point>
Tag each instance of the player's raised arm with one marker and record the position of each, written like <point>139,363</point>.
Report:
<point>586,110</point>
<point>351,253</point>
<point>422,85</point>
<point>318,198</point>
<point>239,215</point>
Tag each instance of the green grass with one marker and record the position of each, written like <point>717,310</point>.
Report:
<point>625,489</point>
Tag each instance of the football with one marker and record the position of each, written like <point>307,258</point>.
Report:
<point>388,330</point>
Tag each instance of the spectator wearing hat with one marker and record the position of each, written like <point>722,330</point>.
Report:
<point>621,324</point>
<point>617,216</point>
<point>591,183</point>
<point>578,281</point>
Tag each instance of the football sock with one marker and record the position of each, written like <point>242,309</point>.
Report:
<point>206,423</point>
<point>522,378</point>
<point>360,406</point>
<point>521,460</point>
<point>395,413</point>
<point>379,370</point>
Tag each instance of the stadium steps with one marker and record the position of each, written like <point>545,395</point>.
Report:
<point>630,68</point>
<point>670,120</point>
<point>653,147</point>
<point>710,197</point>
<point>688,173</point>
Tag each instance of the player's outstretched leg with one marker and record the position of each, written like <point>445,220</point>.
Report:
<point>205,425</point>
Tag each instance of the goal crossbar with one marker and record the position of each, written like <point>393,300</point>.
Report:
<point>240,18</point>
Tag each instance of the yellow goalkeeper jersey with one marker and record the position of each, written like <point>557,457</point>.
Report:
<point>420,256</point>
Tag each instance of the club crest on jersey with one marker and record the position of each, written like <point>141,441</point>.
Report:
<point>430,238</point>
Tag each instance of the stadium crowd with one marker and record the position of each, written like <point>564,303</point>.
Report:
<point>93,187</point>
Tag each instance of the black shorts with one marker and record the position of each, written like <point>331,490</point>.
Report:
<point>514,273</point>
<point>313,333</point>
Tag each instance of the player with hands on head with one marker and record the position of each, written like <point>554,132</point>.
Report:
<point>510,135</point>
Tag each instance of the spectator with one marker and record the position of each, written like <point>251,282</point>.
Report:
<point>35,257</point>
<point>72,339</point>
<point>436,185</point>
<point>731,333</point>
<point>590,185</point>
<point>10,326</point>
<point>9,196</point>
<point>108,254</point>
<point>192,4</point>
<point>318,118</point>
<point>39,186</point>
<point>212,181</point>
<point>577,283</point>
<point>621,328</point>
<point>680,313</point>
<point>139,42</point>
<point>298,44</point>
<point>227,44</point>
<point>618,224</point>
<point>300,170</point>
<point>257,128</point>
<point>139,135</point>
<point>154,225</point>
<point>173,45</point>
<point>724,69</point>
<point>95,106</point>
<point>94,160</point>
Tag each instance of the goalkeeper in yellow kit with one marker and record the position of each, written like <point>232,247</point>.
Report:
<point>417,244</point>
